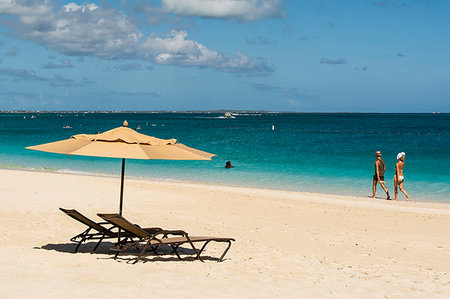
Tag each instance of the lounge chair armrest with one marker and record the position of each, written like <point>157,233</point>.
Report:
<point>172,232</point>
<point>167,232</point>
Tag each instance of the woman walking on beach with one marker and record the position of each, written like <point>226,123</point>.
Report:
<point>399,179</point>
<point>378,177</point>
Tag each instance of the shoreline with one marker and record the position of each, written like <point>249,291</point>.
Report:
<point>288,244</point>
<point>439,208</point>
<point>200,183</point>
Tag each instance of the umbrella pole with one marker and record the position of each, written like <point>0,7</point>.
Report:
<point>122,176</point>
<point>121,187</point>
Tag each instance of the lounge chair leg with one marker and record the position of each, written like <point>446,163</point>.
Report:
<point>126,240</point>
<point>153,248</point>
<point>225,252</point>
<point>174,250</point>
<point>203,247</point>
<point>195,249</point>
<point>82,237</point>
<point>98,243</point>
<point>78,246</point>
<point>142,252</point>
<point>121,248</point>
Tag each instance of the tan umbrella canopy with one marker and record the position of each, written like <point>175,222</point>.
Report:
<point>124,143</point>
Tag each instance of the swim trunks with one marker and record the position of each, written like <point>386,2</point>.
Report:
<point>376,179</point>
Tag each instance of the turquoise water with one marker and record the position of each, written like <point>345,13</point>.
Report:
<point>327,153</point>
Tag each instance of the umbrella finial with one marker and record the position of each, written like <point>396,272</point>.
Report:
<point>125,124</point>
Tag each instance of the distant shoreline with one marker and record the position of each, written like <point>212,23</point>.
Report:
<point>207,111</point>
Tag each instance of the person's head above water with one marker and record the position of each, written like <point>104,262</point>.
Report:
<point>228,164</point>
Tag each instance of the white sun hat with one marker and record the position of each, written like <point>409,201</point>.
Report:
<point>402,154</point>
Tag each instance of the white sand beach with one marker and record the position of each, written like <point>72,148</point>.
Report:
<point>288,244</point>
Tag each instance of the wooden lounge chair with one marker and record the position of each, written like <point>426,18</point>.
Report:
<point>96,230</point>
<point>146,239</point>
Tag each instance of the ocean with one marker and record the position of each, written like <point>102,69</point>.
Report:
<point>313,152</point>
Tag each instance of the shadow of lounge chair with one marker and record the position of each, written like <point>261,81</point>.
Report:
<point>152,240</point>
<point>97,230</point>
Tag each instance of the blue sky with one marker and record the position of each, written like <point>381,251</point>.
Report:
<point>281,55</point>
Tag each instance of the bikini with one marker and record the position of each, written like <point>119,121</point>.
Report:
<point>400,178</point>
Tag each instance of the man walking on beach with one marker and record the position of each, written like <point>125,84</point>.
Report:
<point>378,177</point>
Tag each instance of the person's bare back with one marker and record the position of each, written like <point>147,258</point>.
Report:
<point>399,166</point>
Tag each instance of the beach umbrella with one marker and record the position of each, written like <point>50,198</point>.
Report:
<point>124,143</point>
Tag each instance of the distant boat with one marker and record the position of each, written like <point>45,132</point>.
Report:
<point>33,116</point>
<point>227,115</point>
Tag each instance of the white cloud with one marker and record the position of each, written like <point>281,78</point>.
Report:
<point>242,10</point>
<point>85,30</point>
<point>74,7</point>
<point>20,74</point>
<point>176,49</point>
<point>90,30</point>
<point>333,61</point>
<point>25,7</point>
<point>64,63</point>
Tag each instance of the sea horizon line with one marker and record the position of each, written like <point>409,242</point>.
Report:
<point>206,111</point>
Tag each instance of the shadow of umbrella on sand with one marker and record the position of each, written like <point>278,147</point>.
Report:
<point>124,143</point>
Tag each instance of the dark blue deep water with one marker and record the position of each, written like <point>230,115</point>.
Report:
<point>327,153</point>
